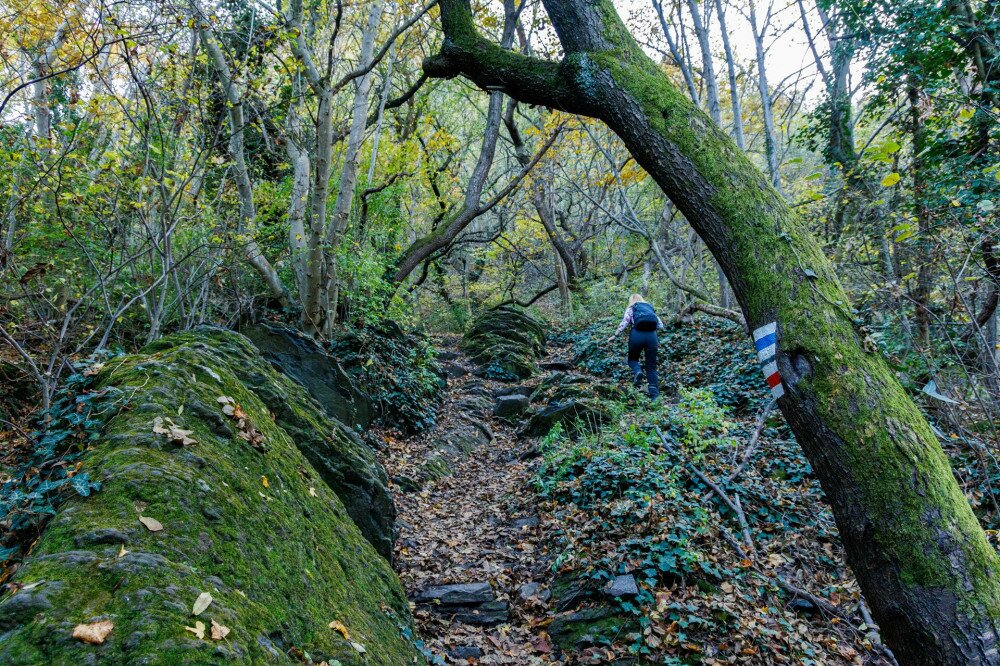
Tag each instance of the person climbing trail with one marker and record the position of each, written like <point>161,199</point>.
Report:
<point>644,321</point>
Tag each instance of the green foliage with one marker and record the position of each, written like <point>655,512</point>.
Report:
<point>397,369</point>
<point>50,474</point>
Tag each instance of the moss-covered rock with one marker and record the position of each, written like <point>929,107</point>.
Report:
<point>246,517</point>
<point>305,361</point>
<point>506,342</point>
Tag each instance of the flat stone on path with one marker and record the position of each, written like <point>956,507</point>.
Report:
<point>524,523</point>
<point>511,406</point>
<point>459,594</point>
<point>465,652</point>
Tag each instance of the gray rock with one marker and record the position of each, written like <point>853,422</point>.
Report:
<point>489,614</point>
<point>524,523</point>
<point>460,594</point>
<point>527,591</point>
<point>622,586</point>
<point>302,359</point>
<point>577,629</point>
<point>513,390</point>
<point>453,370</point>
<point>100,536</point>
<point>511,407</point>
<point>574,415</point>
<point>21,606</point>
<point>465,652</point>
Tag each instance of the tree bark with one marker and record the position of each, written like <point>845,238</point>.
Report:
<point>241,173</point>
<point>919,554</point>
<point>734,92</point>
<point>349,172</point>
<point>770,143</point>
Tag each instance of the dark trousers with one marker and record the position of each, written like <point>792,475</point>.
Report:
<point>646,342</point>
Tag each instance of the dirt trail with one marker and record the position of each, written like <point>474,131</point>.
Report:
<point>476,525</point>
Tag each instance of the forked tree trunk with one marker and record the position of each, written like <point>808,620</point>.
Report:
<point>920,556</point>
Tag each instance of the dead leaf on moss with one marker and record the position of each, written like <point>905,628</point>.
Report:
<point>198,629</point>
<point>94,633</point>
<point>359,647</point>
<point>219,631</point>
<point>203,601</point>
<point>337,625</point>
<point>152,524</point>
<point>173,433</point>
<point>122,552</point>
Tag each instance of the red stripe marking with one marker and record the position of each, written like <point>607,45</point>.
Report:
<point>774,380</point>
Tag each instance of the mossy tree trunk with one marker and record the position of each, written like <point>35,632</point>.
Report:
<point>920,556</point>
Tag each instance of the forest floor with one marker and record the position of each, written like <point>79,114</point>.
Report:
<point>478,524</point>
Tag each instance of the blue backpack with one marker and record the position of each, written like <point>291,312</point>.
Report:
<point>644,317</point>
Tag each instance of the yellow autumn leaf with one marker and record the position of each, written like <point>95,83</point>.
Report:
<point>890,179</point>
<point>203,601</point>
<point>337,625</point>
<point>264,482</point>
<point>152,524</point>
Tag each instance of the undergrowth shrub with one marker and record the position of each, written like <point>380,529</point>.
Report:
<point>398,370</point>
<point>50,474</point>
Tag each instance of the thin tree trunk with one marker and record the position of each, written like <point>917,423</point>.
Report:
<point>770,143</point>
<point>707,67</point>
<point>734,92</point>
<point>349,172</point>
<point>922,255</point>
<point>919,554</point>
<point>241,173</point>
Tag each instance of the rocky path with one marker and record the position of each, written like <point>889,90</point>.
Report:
<point>471,550</point>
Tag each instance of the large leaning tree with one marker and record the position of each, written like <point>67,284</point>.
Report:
<point>930,575</point>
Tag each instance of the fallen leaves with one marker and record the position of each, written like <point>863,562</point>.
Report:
<point>203,601</point>
<point>264,482</point>
<point>173,432</point>
<point>216,633</point>
<point>337,625</point>
<point>245,429</point>
<point>152,524</point>
<point>94,633</point>
<point>198,630</point>
<point>219,631</point>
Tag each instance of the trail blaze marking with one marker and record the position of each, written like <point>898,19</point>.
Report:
<point>765,339</point>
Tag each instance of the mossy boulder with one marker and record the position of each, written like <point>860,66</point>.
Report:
<point>245,515</point>
<point>506,343</point>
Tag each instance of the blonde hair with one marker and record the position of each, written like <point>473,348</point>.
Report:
<point>635,298</point>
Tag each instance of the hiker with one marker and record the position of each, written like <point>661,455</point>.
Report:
<point>642,338</point>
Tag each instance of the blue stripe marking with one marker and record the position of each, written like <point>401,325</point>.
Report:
<point>766,341</point>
